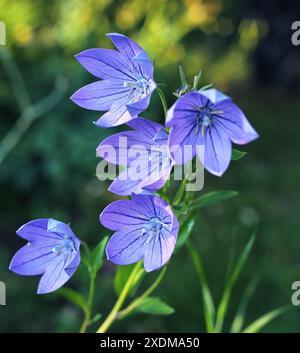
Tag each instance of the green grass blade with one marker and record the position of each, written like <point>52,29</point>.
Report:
<point>261,322</point>
<point>239,318</point>
<point>208,304</point>
<point>223,306</point>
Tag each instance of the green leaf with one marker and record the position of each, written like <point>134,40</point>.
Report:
<point>97,257</point>
<point>74,297</point>
<point>206,87</point>
<point>122,275</point>
<point>85,255</point>
<point>261,322</point>
<point>196,80</point>
<point>208,303</point>
<point>212,198</point>
<point>95,318</point>
<point>155,306</point>
<point>222,308</point>
<point>239,319</point>
<point>185,230</point>
<point>182,76</point>
<point>236,154</point>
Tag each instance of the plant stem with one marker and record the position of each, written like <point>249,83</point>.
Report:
<point>123,295</point>
<point>31,113</point>
<point>180,193</point>
<point>87,317</point>
<point>16,79</point>
<point>135,303</point>
<point>163,100</point>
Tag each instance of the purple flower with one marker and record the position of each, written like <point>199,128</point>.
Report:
<point>211,119</point>
<point>126,81</point>
<point>145,228</point>
<point>145,147</point>
<point>52,251</point>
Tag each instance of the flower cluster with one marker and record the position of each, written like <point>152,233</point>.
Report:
<point>145,227</point>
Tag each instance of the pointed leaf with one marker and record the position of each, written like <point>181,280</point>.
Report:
<point>97,257</point>
<point>73,297</point>
<point>212,198</point>
<point>155,306</point>
<point>95,318</point>
<point>261,322</point>
<point>182,76</point>
<point>208,304</point>
<point>236,154</point>
<point>85,255</point>
<point>185,230</point>
<point>222,308</point>
<point>239,319</point>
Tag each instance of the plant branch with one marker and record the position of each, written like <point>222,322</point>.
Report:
<point>135,303</point>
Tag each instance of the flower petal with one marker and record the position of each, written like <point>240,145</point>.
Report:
<point>233,121</point>
<point>71,268</point>
<point>123,214</point>
<point>133,52</point>
<point>117,115</point>
<point>160,249</point>
<point>148,127</point>
<point>154,206</point>
<point>54,276</point>
<point>37,230</point>
<point>214,95</point>
<point>126,247</point>
<point>32,259</point>
<point>126,186</point>
<point>182,142</point>
<point>100,95</point>
<point>185,109</point>
<point>137,107</point>
<point>106,64</point>
<point>217,150</point>
<point>138,143</point>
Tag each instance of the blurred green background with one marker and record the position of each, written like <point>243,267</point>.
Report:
<point>244,48</point>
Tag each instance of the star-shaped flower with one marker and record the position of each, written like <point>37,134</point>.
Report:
<point>144,148</point>
<point>208,118</point>
<point>145,228</point>
<point>52,251</point>
<point>126,81</point>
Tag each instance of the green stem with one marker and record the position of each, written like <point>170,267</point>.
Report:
<point>31,113</point>
<point>16,79</point>
<point>118,305</point>
<point>88,313</point>
<point>163,100</point>
<point>136,303</point>
<point>180,193</point>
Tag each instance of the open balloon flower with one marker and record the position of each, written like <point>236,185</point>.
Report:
<point>144,148</point>
<point>52,251</point>
<point>127,81</point>
<point>208,118</point>
<point>145,228</point>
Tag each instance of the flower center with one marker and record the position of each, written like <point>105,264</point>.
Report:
<point>138,88</point>
<point>204,118</point>
<point>153,228</point>
<point>66,245</point>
